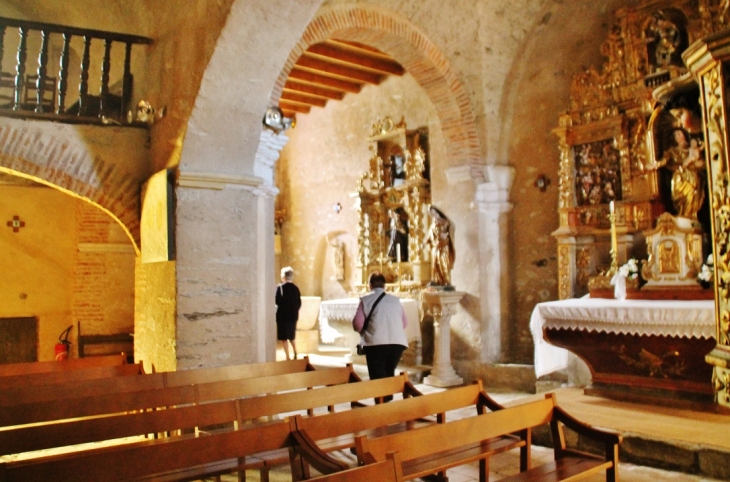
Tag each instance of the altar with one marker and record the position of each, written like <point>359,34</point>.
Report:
<point>638,350</point>
<point>335,321</point>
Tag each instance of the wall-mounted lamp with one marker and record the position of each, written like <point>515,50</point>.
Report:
<point>274,119</point>
<point>337,207</point>
<point>542,182</point>
<point>145,113</point>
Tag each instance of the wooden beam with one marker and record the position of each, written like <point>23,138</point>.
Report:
<point>304,99</point>
<point>358,57</point>
<point>321,80</point>
<point>331,69</point>
<point>293,106</point>
<point>295,86</point>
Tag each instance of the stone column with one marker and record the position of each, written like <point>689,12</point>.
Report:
<point>441,305</point>
<point>709,61</point>
<point>493,231</point>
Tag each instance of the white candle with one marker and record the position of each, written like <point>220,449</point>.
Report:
<point>397,252</point>
<point>612,208</point>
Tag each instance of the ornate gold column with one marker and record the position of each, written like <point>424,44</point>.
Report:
<point>709,61</point>
<point>441,305</point>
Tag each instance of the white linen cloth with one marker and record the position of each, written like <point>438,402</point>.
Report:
<point>344,309</point>
<point>688,319</point>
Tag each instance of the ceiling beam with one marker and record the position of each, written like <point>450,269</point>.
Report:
<point>359,57</point>
<point>304,99</point>
<point>313,90</point>
<point>286,105</point>
<point>336,84</point>
<point>288,113</point>
<point>331,69</point>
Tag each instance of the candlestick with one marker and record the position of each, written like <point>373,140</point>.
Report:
<point>614,239</point>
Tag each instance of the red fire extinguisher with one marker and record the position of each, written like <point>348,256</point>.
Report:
<point>63,345</point>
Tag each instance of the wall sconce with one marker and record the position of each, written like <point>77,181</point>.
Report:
<point>337,207</point>
<point>542,182</point>
<point>145,113</point>
<point>274,119</point>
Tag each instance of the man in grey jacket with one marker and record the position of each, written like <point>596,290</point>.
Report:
<point>384,333</point>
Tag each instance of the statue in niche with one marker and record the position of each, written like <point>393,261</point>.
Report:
<point>338,251</point>
<point>398,235</point>
<point>442,248</point>
<point>666,39</point>
<point>398,168</point>
<point>683,163</point>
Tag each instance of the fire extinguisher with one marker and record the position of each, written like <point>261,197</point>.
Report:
<point>63,345</point>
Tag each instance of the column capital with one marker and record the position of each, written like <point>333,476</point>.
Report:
<point>494,194</point>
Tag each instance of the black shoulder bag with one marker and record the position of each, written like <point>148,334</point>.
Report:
<point>361,344</point>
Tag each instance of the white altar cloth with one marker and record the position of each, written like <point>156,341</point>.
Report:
<point>689,319</point>
<point>343,310</point>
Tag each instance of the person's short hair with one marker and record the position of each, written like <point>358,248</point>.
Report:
<point>287,273</point>
<point>377,280</point>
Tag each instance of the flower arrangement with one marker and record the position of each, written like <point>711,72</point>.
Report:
<point>630,270</point>
<point>707,273</point>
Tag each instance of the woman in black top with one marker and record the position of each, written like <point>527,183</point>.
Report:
<point>288,302</point>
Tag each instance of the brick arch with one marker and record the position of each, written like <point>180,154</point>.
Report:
<point>398,37</point>
<point>63,164</point>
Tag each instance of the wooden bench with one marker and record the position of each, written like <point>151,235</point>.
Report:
<point>9,369</point>
<point>83,388</point>
<point>30,381</point>
<point>37,437</point>
<point>434,449</point>
<point>103,404</point>
<point>386,471</point>
<point>316,436</point>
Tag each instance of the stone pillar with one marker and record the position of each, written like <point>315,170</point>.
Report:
<point>709,61</point>
<point>493,232</point>
<point>441,305</point>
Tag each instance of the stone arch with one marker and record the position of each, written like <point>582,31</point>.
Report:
<point>63,162</point>
<point>395,35</point>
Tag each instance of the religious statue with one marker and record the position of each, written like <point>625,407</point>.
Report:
<point>685,160</point>
<point>442,248</point>
<point>666,37</point>
<point>398,235</point>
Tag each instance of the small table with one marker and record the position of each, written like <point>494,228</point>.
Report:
<point>636,349</point>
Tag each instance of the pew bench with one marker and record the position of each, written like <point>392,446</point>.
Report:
<point>315,437</point>
<point>434,449</point>
<point>27,368</point>
<point>123,384</point>
<point>61,379</point>
<point>105,404</point>
<point>386,471</point>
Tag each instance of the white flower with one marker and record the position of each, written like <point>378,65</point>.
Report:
<point>630,269</point>
<point>710,260</point>
<point>705,274</point>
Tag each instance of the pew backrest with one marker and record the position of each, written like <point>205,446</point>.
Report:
<point>388,470</point>
<point>123,384</point>
<point>61,379</point>
<point>51,435</point>
<point>10,369</point>
<point>170,397</point>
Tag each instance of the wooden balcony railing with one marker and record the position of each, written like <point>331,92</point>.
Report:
<point>35,89</point>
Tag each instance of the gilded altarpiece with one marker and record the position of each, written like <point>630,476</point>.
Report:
<point>608,137</point>
<point>709,61</point>
<point>394,195</point>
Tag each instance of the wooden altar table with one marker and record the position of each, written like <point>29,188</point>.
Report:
<point>640,350</point>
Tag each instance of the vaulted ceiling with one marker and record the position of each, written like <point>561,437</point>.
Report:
<point>330,70</point>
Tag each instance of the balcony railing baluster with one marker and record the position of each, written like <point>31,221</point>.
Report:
<point>20,67</point>
<point>63,74</point>
<point>40,84</point>
<point>40,96</point>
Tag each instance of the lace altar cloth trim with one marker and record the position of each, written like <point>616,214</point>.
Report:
<point>688,319</point>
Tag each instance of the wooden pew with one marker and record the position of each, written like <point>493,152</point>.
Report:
<point>439,447</point>
<point>85,388</point>
<point>9,369</point>
<point>316,436</point>
<point>29,438</point>
<point>62,378</point>
<point>37,437</point>
<point>106,403</point>
<point>386,471</point>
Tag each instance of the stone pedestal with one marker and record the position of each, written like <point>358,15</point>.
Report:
<point>441,305</point>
